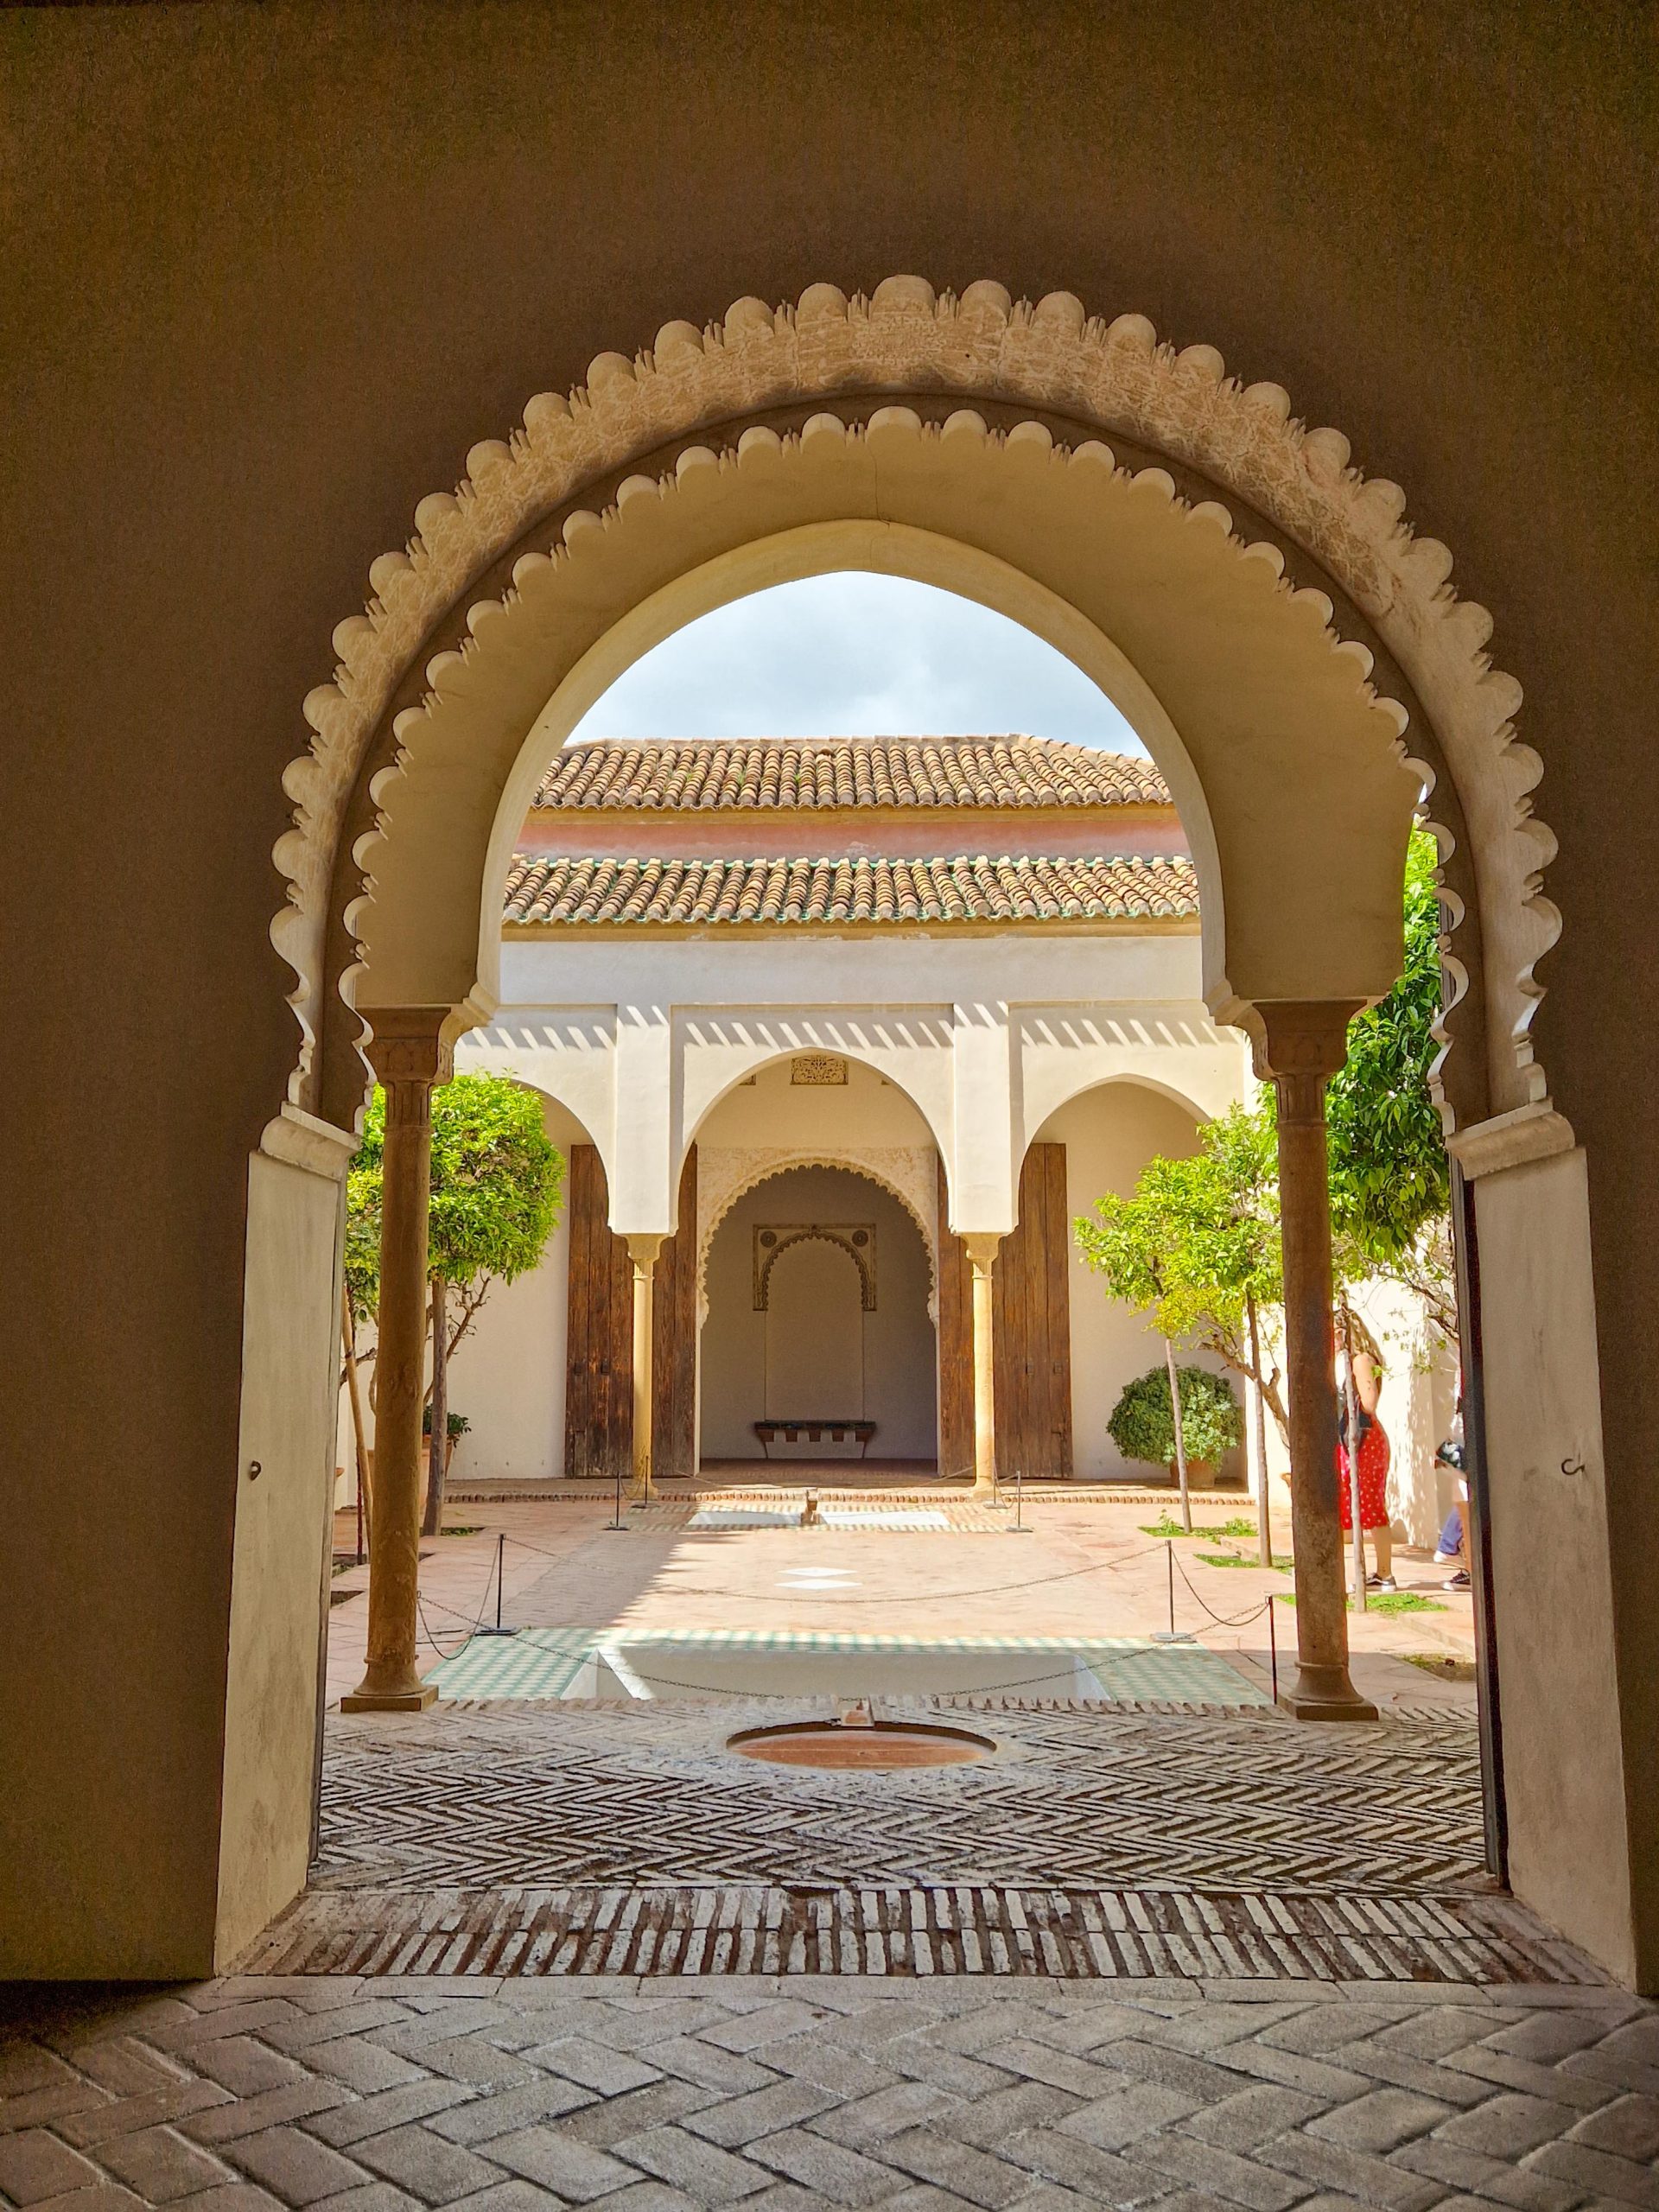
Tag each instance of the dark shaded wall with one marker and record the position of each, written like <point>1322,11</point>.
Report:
<point>269,273</point>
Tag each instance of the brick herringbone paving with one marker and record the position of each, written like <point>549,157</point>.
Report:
<point>630,1839</point>
<point>1079,1796</point>
<point>1014,2095</point>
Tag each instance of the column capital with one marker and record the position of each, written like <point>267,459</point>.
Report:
<point>411,1044</point>
<point>1298,1037</point>
<point>644,1248</point>
<point>981,1244</point>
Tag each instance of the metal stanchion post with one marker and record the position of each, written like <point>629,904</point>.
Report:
<point>1172,1634</point>
<point>1018,1528</point>
<point>616,1524</point>
<point>501,1571</point>
<point>1272,1648</point>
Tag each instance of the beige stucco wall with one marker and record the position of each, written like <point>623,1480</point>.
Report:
<point>1566,1736</point>
<point>1109,1134</point>
<point>899,1346</point>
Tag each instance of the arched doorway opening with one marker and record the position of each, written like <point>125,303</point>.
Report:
<point>818,1319</point>
<point>1297,837</point>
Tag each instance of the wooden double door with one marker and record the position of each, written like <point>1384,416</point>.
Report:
<point>1030,1331</point>
<point>599,1371</point>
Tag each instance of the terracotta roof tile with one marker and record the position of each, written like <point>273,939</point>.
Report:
<point>709,773</point>
<point>554,891</point>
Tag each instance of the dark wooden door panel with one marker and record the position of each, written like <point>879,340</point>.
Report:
<point>955,1303</point>
<point>599,1366</point>
<point>1032,1325</point>
<point>674,1341</point>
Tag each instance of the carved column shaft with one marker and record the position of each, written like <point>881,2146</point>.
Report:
<point>981,1255</point>
<point>1298,1047</point>
<point>410,1060</point>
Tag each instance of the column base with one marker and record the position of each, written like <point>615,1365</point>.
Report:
<point>1324,1694</point>
<point>414,1699</point>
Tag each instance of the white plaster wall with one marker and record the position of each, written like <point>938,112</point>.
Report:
<point>899,1343</point>
<point>508,1375</point>
<point>643,1036</point>
<point>772,1110</point>
<point>1109,1134</point>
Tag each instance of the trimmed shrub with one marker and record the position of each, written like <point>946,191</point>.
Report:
<point>1142,1428</point>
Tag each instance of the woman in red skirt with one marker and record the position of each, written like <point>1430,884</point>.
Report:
<point>1373,1492</point>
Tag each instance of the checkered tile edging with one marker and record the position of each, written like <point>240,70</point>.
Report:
<point>544,1662</point>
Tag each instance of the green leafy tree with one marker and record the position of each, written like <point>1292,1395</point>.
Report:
<point>1142,1424</point>
<point>1389,1188</point>
<point>1135,1243</point>
<point>496,1183</point>
<point>1196,1245</point>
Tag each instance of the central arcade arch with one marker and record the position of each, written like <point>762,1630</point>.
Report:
<point>963,441</point>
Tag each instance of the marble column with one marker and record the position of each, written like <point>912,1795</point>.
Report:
<point>642,1251</point>
<point>981,1255</point>
<point>411,1056</point>
<point>1299,1045</point>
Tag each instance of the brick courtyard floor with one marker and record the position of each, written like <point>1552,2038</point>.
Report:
<point>780,2095</point>
<point>1182,1957</point>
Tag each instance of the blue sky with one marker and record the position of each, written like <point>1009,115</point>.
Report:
<point>856,655</point>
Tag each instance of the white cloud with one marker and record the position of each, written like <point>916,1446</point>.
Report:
<point>856,655</point>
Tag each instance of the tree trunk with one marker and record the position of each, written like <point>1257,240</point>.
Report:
<point>1263,1509</point>
<point>1180,1436</point>
<point>365,1504</point>
<point>437,1444</point>
<point>1357,1576</point>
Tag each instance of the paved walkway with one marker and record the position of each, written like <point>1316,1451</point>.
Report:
<point>1015,2096</point>
<point>1081,1570</point>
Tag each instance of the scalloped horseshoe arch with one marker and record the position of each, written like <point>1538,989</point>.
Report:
<point>784,1160</point>
<point>661,468</point>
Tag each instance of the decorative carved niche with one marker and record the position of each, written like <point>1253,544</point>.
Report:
<point>855,1239</point>
<point>817,1070</point>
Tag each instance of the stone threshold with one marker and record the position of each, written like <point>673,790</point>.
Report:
<point>1183,1935</point>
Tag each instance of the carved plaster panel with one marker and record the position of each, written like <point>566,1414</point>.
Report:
<point>905,338</point>
<point>907,1173</point>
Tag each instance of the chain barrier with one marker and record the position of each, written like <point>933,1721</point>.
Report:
<point>438,1606</point>
<point>1223,1620</point>
<point>920,1597</point>
<point>990,1590</point>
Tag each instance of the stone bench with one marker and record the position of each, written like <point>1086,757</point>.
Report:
<point>815,1431</point>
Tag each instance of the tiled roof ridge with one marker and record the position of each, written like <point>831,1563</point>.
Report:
<point>561,890</point>
<point>708,774</point>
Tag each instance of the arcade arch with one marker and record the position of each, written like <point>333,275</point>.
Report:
<point>964,441</point>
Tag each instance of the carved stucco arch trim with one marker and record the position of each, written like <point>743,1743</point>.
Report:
<point>1194,633</point>
<point>1115,375</point>
<point>726,1174</point>
<point>844,1235</point>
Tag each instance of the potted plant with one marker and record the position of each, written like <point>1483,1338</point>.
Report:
<point>1143,1428</point>
<point>455,1428</point>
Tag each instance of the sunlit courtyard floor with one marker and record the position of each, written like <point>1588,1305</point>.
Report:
<point>754,1590</point>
